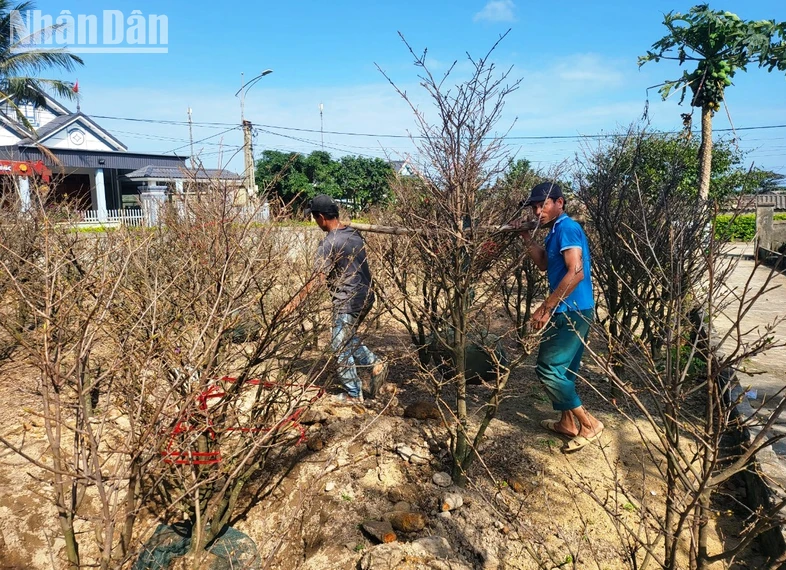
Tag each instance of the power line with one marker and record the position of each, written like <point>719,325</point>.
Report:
<point>394,136</point>
<point>310,142</point>
<point>162,138</point>
<point>534,138</point>
<point>163,121</point>
<point>202,140</point>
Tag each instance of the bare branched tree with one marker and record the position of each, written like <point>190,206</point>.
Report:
<point>663,277</point>
<point>440,270</point>
<point>168,377</point>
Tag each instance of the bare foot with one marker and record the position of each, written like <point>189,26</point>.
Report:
<point>565,430</point>
<point>563,426</point>
<point>596,429</point>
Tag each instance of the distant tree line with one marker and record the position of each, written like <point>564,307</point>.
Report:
<point>294,178</point>
<point>359,182</point>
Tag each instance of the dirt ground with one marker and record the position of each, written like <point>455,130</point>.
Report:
<point>527,505</point>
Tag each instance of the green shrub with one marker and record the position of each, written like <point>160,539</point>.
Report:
<point>97,229</point>
<point>740,227</point>
<point>731,227</point>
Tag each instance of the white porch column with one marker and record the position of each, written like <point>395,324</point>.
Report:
<point>179,185</point>
<point>265,211</point>
<point>24,192</point>
<point>153,198</point>
<point>101,195</point>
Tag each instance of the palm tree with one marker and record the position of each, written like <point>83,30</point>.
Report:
<point>20,68</point>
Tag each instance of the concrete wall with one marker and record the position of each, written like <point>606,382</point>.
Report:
<point>770,234</point>
<point>778,233</point>
<point>300,242</point>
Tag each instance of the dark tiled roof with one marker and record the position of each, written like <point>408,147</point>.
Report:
<point>182,173</point>
<point>91,159</point>
<point>58,122</point>
<point>47,129</point>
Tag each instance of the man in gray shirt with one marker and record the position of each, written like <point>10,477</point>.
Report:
<point>341,263</point>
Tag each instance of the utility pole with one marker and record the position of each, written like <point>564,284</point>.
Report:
<point>191,139</point>
<point>248,153</point>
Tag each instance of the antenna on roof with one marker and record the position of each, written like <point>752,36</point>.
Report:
<point>321,127</point>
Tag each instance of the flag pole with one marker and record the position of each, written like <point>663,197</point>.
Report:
<point>75,89</point>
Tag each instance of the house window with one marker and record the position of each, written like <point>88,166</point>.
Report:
<point>31,113</point>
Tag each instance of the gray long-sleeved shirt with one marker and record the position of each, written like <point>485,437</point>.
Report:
<point>341,256</point>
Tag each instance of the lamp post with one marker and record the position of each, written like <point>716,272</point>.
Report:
<point>248,152</point>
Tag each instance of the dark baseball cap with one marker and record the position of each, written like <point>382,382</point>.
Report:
<point>542,191</point>
<point>322,204</point>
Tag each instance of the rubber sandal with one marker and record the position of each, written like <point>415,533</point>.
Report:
<point>580,442</point>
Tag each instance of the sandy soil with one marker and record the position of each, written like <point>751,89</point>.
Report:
<point>527,505</point>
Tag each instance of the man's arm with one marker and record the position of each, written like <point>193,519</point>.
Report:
<point>536,252</point>
<point>538,255</point>
<point>323,264</point>
<point>574,261</point>
<point>315,282</point>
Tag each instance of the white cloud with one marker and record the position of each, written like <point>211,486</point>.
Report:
<point>589,69</point>
<point>497,11</point>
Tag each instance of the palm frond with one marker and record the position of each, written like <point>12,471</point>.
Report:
<point>23,58</point>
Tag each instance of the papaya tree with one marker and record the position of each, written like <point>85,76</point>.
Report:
<point>714,45</point>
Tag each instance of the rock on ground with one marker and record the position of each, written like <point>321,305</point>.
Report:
<point>430,553</point>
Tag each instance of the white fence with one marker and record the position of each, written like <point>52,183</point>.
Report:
<point>130,217</point>
<point>144,216</point>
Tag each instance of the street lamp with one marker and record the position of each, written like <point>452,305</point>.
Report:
<point>246,86</point>
<point>248,152</point>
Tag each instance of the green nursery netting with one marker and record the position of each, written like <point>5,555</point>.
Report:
<point>231,550</point>
<point>485,356</point>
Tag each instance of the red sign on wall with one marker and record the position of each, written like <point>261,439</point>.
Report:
<point>20,168</point>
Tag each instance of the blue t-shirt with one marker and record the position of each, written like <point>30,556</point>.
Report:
<point>566,234</point>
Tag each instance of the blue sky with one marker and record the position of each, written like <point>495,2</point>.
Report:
<point>578,62</point>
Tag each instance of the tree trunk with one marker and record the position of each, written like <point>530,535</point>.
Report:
<point>71,544</point>
<point>705,153</point>
<point>463,449</point>
<point>64,486</point>
<point>669,542</point>
<point>459,348</point>
<point>132,492</point>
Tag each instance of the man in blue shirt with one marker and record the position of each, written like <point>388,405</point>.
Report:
<point>565,315</point>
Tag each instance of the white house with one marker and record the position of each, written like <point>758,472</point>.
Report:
<point>86,163</point>
<point>402,167</point>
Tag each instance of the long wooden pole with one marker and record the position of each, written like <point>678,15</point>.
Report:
<point>400,231</point>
